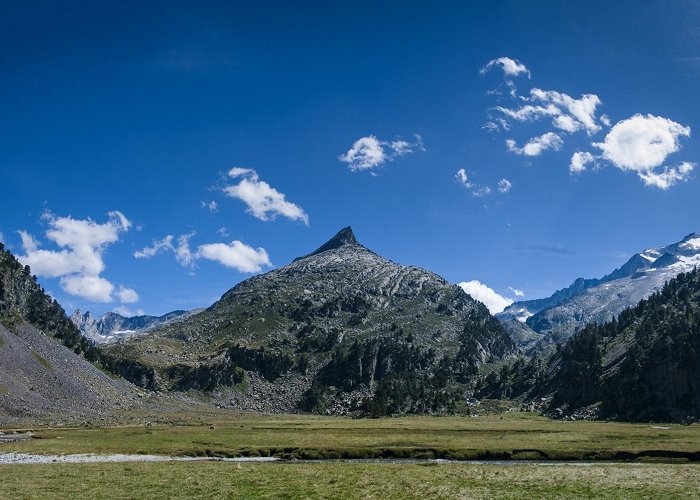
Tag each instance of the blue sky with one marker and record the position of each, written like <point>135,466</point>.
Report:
<point>298,120</point>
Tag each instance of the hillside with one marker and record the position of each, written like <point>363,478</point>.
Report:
<point>644,365</point>
<point>42,375</point>
<point>338,330</point>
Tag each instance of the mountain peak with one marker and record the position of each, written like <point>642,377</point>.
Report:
<point>344,237</point>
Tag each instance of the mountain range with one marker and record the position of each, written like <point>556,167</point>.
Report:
<point>113,327</point>
<point>343,330</point>
<point>552,320</point>
<point>643,365</point>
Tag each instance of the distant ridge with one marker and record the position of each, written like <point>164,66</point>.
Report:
<point>598,300</point>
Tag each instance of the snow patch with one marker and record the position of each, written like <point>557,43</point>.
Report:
<point>692,244</point>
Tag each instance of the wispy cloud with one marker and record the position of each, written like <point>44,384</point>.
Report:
<point>510,67</point>
<point>236,255</point>
<point>368,153</point>
<point>537,145</point>
<point>504,185</point>
<point>212,206</point>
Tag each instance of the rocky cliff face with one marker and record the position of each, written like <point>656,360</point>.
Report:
<point>586,301</point>
<point>113,327</point>
<point>340,329</point>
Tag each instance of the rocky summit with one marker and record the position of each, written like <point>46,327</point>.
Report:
<point>598,300</point>
<point>340,330</point>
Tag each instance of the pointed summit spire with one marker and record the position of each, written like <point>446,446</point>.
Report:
<point>344,237</point>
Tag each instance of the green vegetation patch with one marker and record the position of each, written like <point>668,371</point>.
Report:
<point>516,436</point>
<point>347,480</point>
<point>44,362</point>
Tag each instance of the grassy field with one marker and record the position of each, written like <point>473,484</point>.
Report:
<point>510,436</point>
<point>343,480</point>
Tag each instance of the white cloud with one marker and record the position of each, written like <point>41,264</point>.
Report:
<point>369,152</point>
<point>510,67</point>
<point>481,191</point>
<point>493,301</point>
<point>236,255</point>
<point>2,238</point>
<point>223,232</point>
<point>182,251</point>
<point>264,202</point>
<point>80,262</point>
<point>92,288</point>
<point>183,254</point>
<point>528,113</point>
<point>128,313</point>
<point>504,185</point>
<point>568,114</point>
<point>127,295</point>
<point>462,177</point>
<point>642,143</point>
<point>211,206</point>
<point>155,248</point>
<point>566,123</point>
<point>579,160</point>
<point>536,145</point>
<point>365,153</point>
<point>575,114</point>
<point>669,177</point>
<point>477,190</point>
<point>516,292</point>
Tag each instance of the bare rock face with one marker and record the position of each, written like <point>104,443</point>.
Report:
<point>559,316</point>
<point>338,330</point>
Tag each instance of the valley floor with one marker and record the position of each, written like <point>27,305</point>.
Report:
<point>342,480</point>
<point>630,460</point>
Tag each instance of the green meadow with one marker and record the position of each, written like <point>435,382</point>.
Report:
<point>629,460</point>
